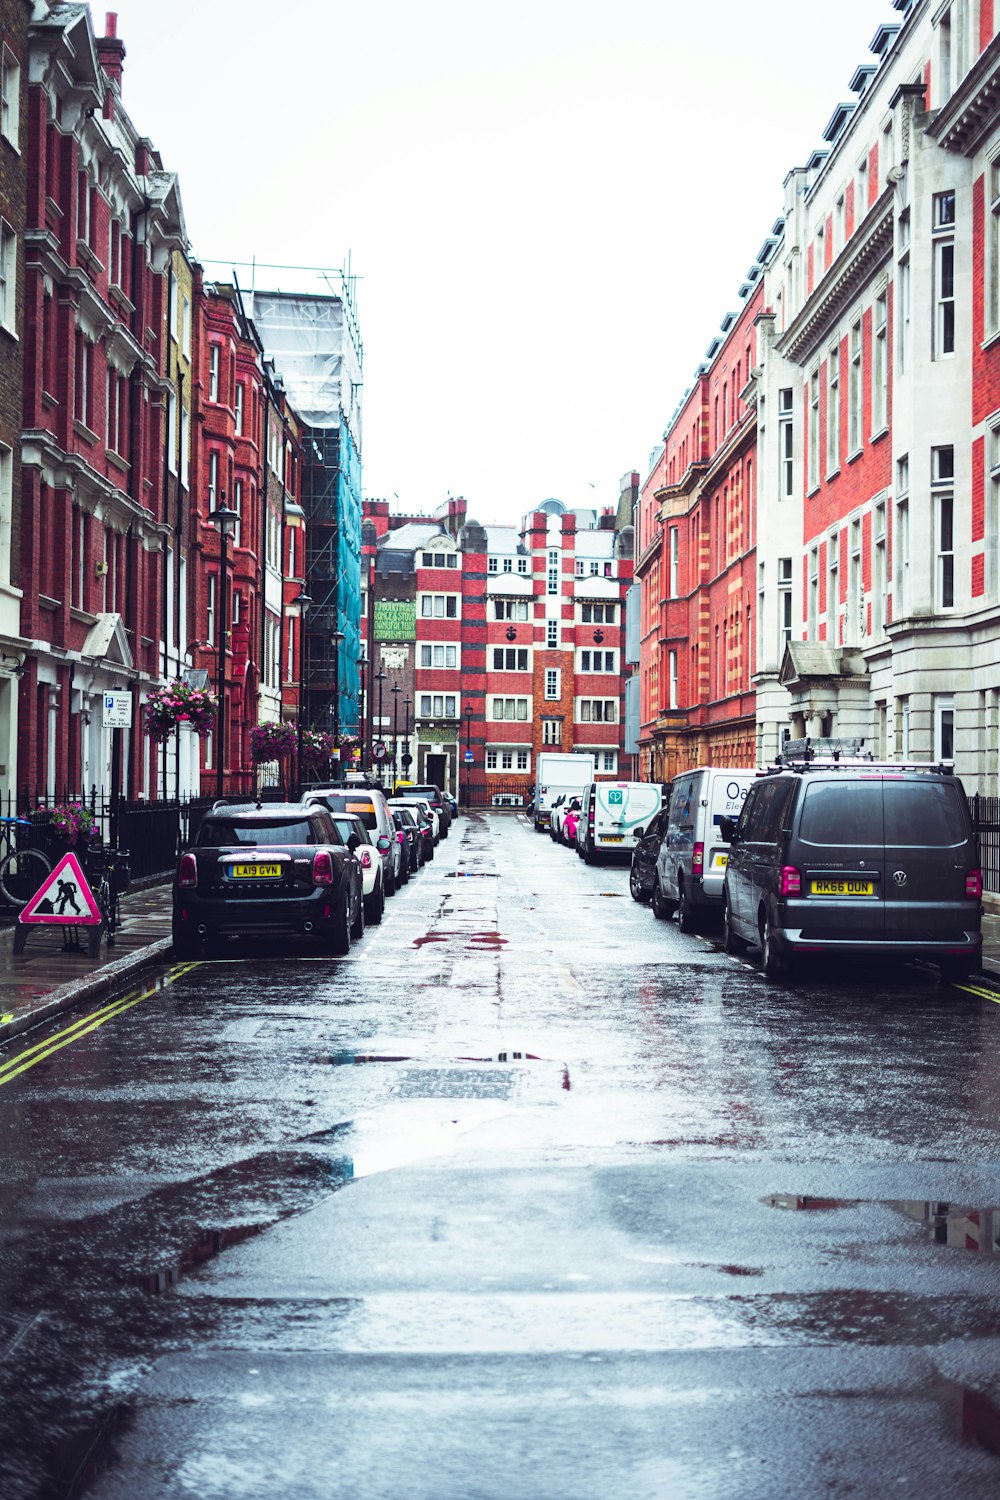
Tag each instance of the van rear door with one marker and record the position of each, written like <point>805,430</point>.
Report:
<point>929,850</point>
<point>726,796</point>
<point>840,851</point>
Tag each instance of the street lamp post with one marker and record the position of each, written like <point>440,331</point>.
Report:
<point>406,759</point>
<point>303,600</point>
<point>380,678</point>
<point>362,725</point>
<point>468,755</point>
<point>225,522</point>
<point>395,730</point>
<point>336,636</point>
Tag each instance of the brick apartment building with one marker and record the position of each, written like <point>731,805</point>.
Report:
<point>501,641</point>
<point>874,549</point>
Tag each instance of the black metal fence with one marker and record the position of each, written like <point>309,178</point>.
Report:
<point>497,791</point>
<point>986,820</point>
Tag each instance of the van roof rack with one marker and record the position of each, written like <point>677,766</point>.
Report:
<point>853,763</point>
<point>827,747</point>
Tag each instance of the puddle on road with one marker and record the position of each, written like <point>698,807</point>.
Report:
<point>487,940</point>
<point>950,1224</point>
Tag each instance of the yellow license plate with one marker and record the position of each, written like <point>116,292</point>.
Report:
<point>720,861</point>
<point>843,888</point>
<point>612,838</point>
<point>254,872</point>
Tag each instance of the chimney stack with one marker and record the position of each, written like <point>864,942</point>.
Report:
<point>111,51</point>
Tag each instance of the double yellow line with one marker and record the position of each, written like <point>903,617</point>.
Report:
<point>974,989</point>
<point>31,1056</point>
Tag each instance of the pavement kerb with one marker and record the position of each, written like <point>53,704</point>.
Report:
<point>93,987</point>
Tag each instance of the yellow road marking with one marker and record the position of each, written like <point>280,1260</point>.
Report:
<point>974,989</point>
<point>77,1029</point>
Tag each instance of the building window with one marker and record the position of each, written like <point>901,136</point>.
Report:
<point>551,731</point>
<point>673,562</point>
<point>672,678</point>
<point>213,583</point>
<point>522,565</point>
<point>813,616</point>
<point>511,659</point>
<point>491,760</point>
<point>509,708</point>
<point>786,443</point>
<point>598,661</point>
<point>854,624</point>
<point>597,711</point>
<point>993,515</point>
<point>8,277</point>
<point>903,289</point>
<point>880,364</point>
<point>598,614</point>
<point>833,409</point>
<point>832,588</point>
<point>213,480</point>
<point>438,706</point>
<point>607,761</point>
<point>784,602</point>
<point>993,252</point>
<point>238,508</point>
<point>901,548</point>
<point>552,683</point>
<point>814,430</point>
<point>491,564</point>
<point>10,96</point>
<point>186,327</point>
<point>438,656</point>
<point>944,518</point>
<point>944,728</point>
<point>240,395</point>
<point>214,359</point>
<point>856,393</point>
<point>6,511</point>
<point>509,609</point>
<point>944,275</point>
<point>552,585</point>
<point>880,594</point>
<point>439,606</point>
<point>551,633</point>
<point>861,190</point>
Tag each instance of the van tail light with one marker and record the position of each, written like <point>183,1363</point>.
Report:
<point>322,867</point>
<point>789,881</point>
<point>365,856</point>
<point>187,871</point>
<point>974,885</point>
<point>698,859</point>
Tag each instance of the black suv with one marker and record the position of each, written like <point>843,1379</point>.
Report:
<point>265,869</point>
<point>855,857</point>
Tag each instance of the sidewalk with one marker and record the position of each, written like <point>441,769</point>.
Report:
<point>45,979</point>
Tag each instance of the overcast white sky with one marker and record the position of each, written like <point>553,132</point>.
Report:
<point>550,203</point>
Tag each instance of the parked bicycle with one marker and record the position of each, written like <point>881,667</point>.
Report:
<point>24,869</point>
<point>108,876</point>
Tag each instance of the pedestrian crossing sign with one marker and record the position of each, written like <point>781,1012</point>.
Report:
<point>64,898</point>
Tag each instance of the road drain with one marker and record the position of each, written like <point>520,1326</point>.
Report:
<point>471,875</point>
<point>950,1224</point>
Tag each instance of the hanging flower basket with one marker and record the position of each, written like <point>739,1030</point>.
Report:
<point>177,703</point>
<point>65,823</point>
<point>269,742</point>
<point>317,748</point>
<point>350,747</point>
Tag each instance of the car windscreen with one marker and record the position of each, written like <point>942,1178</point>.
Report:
<point>842,812</point>
<point>928,814</point>
<point>221,832</point>
<point>346,826</point>
<point>407,814</point>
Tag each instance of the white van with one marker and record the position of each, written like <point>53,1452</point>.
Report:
<point>691,864</point>
<point>614,814</point>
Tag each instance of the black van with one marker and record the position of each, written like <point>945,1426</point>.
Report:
<point>855,857</point>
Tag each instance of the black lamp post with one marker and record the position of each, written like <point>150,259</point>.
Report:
<point>303,601</point>
<point>225,522</point>
<point>336,636</point>
<point>362,725</point>
<point>468,756</point>
<point>395,730</point>
<point>406,759</point>
<point>380,678</point>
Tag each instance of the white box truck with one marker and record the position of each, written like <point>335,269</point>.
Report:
<point>558,774</point>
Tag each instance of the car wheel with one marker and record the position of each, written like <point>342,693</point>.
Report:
<point>662,908</point>
<point>358,925</point>
<point>404,872</point>
<point>685,912</point>
<point>588,853</point>
<point>338,933</point>
<point>375,906</point>
<point>390,883</point>
<point>635,886</point>
<point>772,962</point>
<point>730,942</point>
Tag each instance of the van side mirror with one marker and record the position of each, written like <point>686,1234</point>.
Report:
<point>640,832</point>
<point>727,828</point>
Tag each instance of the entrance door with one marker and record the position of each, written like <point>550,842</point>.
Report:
<point>437,771</point>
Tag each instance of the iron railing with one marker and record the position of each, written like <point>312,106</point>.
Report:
<point>986,821</point>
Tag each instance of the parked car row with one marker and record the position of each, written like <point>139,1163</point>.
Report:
<point>819,854</point>
<point>606,818</point>
<point>321,867</point>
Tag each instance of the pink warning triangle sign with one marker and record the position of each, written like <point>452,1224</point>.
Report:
<point>64,898</point>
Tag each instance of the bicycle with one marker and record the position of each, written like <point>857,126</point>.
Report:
<point>23,870</point>
<point>110,869</point>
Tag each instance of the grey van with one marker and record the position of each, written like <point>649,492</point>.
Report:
<point>855,858</point>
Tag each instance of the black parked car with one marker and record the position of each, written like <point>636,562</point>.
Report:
<point>855,857</point>
<point>405,819</point>
<point>642,876</point>
<point>264,869</point>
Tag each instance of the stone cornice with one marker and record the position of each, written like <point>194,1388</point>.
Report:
<point>864,252</point>
<point>962,123</point>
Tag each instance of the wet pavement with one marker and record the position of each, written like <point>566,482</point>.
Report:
<point>530,1195</point>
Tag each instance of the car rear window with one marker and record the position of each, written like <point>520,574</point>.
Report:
<point>219,832</point>
<point>346,826</point>
<point>842,812</point>
<point>928,814</point>
<point>358,807</point>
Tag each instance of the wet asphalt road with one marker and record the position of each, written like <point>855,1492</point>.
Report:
<point>304,1226</point>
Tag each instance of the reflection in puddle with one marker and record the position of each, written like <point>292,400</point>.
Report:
<point>948,1224</point>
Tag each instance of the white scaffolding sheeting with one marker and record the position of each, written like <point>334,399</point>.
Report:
<point>312,345</point>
